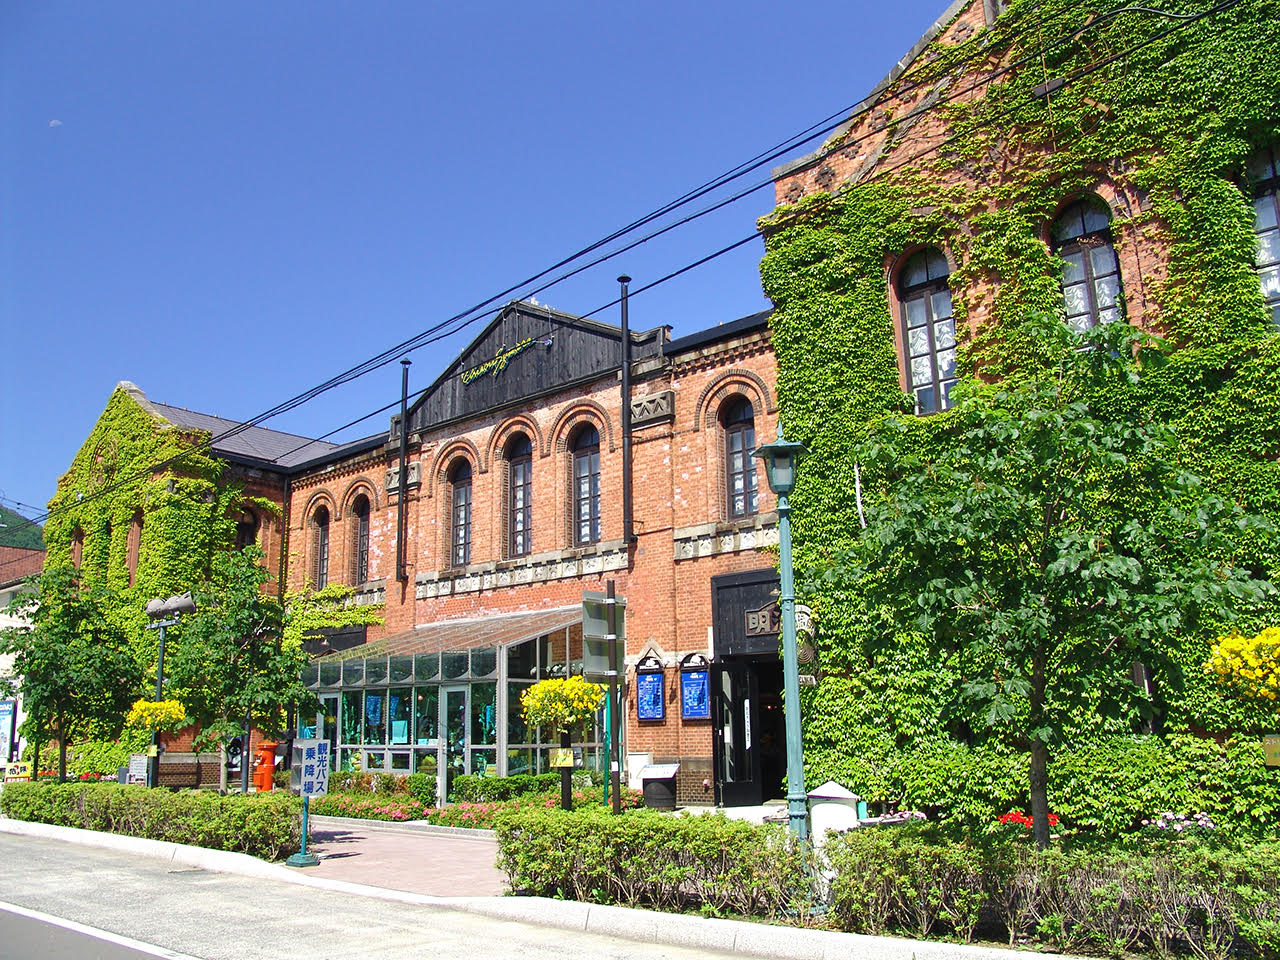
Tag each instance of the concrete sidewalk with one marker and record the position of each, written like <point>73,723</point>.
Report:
<point>406,863</point>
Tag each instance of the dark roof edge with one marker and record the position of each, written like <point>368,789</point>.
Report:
<point>341,453</point>
<point>722,332</point>
<point>869,100</point>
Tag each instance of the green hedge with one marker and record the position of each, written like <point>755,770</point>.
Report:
<point>1196,897</point>
<point>470,788</point>
<point>646,858</point>
<point>266,825</point>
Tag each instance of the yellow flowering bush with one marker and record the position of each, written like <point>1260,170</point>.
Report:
<point>560,704</point>
<point>157,715</point>
<point>1250,664</point>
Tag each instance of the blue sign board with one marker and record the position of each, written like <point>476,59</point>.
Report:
<point>7,708</point>
<point>695,694</point>
<point>651,700</point>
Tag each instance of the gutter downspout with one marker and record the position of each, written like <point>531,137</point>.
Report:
<point>628,524</point>
<point>401,575</point>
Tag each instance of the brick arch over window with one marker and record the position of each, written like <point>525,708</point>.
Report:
<point>321,499</point>
<point>925,325</point>
<point>583,411</point>
<point>504,431</point>
<point>359,515</point>
<point>134,546</point>
<point>743,382</point>
<point>358,486</point>
<point>457,447</point>
<point>459,474</point>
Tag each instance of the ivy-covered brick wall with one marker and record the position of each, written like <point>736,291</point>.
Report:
<point>1156,113</point>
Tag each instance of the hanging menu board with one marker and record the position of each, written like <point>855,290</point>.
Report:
<point>651,700</point>
<point>695,694</point>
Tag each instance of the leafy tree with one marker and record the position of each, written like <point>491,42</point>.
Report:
<point>77,671</point>
<point>227,658</point>
<point>17,531</point>
<point>1044,543</point>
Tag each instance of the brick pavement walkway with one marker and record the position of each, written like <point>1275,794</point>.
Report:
<point>403,858</point>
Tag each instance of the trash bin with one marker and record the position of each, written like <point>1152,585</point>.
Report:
<point>660,785</point>
<point>832,807</point>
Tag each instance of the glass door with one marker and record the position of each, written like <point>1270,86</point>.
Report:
<point>738,781</point>
<point>454,710</point>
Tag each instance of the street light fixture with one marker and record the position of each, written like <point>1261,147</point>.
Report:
<point>780,459</point>
<point>163,613</point>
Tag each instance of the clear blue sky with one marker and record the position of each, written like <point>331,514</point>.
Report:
<point>229,202</point>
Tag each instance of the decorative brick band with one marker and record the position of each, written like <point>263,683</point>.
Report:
<point>713,539</point>
<point>538,568</point>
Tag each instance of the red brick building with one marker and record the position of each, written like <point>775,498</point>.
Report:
<point>515,506</point>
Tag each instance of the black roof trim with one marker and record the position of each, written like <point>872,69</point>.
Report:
<point>722,332</point>
<point>343,452</point>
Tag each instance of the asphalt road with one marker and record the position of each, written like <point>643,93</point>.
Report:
<point>29,935</point>
<point>213,916</point>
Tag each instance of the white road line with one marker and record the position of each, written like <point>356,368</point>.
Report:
<point>149,949</point>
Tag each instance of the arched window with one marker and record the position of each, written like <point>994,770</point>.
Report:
<point>519,455</point>
<point>928,330</point>
<point>586,486</point>
<point>360,539</point>
<point>739,423</point>
<point>247,529</point>
<point>320,547</point>
<point>460,526</point>
<point>77,547</point>
<point>134,546</point>
<point>1091,290</point>
<point>1264,169</point>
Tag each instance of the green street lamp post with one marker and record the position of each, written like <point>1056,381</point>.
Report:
<point>780,459</point>
<point>163,613</point>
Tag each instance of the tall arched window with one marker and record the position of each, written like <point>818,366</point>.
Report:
<point>247,530</point>
<point>519,456</point>
<point>928,330</point>
<point>77,547</point>
<point>739,423</point>
<point>1264,168</point>
<point>320,547</point>
<point>134,546</point>
<point>460,526</point>
<point>360,539</point>
<point>1091,290</point>
<point>586,486</point>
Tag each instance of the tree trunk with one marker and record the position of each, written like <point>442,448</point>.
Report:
<point>566,776</point>
<point>35,754</point>
<point>1039,754</point>
<point>62,750</point>
<point>222,765</point>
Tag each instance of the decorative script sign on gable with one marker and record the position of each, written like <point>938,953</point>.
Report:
<point>499,362</point>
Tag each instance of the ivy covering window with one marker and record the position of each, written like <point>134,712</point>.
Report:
<point>1091,290</point>
<point>586,486</point>
<point>460,527</point>
<point>1264,169</point>
<point>360,539</point>
<point>519,495</point>
<point>320,538</point>
<point>739,422</point>
<point>928,329</point>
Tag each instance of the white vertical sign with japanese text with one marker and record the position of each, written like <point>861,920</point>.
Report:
<point>309,772</point>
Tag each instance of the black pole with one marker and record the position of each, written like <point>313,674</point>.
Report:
<point>566,773</point>
<point>155,734</point>
<point>628,525</point>
<point>615,707</point>
<point>401,575</point>
<point>246,757</point>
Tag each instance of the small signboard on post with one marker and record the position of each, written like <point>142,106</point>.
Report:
<point>17,771</point>
<point>596,659</point>
<point>138,765</point>
<point>1271,749</point>
<point>309,772</point>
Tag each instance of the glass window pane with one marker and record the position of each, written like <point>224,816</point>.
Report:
<point>484,722</point>
<point>1262,164</point>
<point>375,717</point>
<point>522,660</point>
<point>924,400</point>
<point>426,666</point>
<point>945,334</point>
<point>1076,299</point>
<point>401,669</point>
<point>1271,283</point>
<point>484,661</point>
<point>1110,315</point>
<point>522,760</point>
<point>484,763</point>
<point>454,664</point>
<point>1103,258</point>
<point>936,265</point>
<point>330,672</point>
<point>1268,247</point>
<point>941,304</point>
<point>352,714</point>
<point>400,762</point>
<point>426,713</point>
<point>921,371</point>
<point>352,673</point>
<point>1096,217</point>
<point>915,271</point>
<point>311,674</point>
<point>375,670</point>
<point>517,730</point>
<point>375,761</point>
<point>1072,267</point>
<point>1264,211</point>
<point>918,341</point>
<point>1107,291</point>
<point>946,364</point>
<point>916,315</point>
<point>399,713</point>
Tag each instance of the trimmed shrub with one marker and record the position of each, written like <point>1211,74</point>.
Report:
<point>266,825</point>
<point>471,788</point>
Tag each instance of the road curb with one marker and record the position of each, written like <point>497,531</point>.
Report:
<point>647,926</point>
